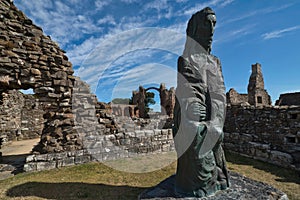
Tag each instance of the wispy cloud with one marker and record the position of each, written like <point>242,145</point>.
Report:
<point>258,12</point>
<point>279,33</point>
<point>235,34</point>
<point>217,3</point>
<point>60,20</point>
<point>100,4</point>
<point>148,74</point>
<point>129,1</point>
<point>156,4</point>
<point>115,46</point>
<point>109,19</point>
<point>226,2</point>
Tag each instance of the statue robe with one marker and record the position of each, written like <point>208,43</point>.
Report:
<point>199,116</point>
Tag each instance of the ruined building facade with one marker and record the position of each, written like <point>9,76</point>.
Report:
<point>167,100</point>
<point>289,99</point>
<point>256,96</point>
<point>29,59</point>
<point>256,129</point>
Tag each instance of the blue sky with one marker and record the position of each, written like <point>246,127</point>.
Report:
<point>115,46</point>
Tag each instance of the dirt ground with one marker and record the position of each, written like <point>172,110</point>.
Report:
<point>19,147</point>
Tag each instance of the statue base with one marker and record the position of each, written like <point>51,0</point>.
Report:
<point>241,188</point>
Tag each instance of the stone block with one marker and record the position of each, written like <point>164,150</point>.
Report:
<point>281,158</point>
<point>97,157</point>
<point>42,157</point>
<point>29,167</point>
<point>164,131</point>
<point>157,132</point>
<point>125,142</point>
<point>129,134</point>
<point>45,165</point>
<point>68,161</point>
<point>139,134</point>
<point>149,133</point>
<point>109,156</point>
<point>75,153</point>
<point>82,159</point>
<point>35,72</point>
<point>30,158</point>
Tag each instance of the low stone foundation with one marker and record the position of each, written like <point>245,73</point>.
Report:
<point>106,147</point>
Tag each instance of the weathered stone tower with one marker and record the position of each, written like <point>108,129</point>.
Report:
<point>257,95</point>
<point>167,99</point>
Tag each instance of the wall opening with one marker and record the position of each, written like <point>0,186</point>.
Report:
<point>290,139</point>
<point>21,116</point>
<point>259,99</point>
<point>154,104</point>
<point>294,116</point>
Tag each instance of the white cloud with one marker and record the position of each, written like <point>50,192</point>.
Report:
<point>279,33</point>
<point>226,2</point>
<point>181,1</point>
<point>156,4</point>
<point>60,20</point>
<point>129,1</point>
<point>210,3</point>
<point>163,8</point>
<point>234,34</point>
<point>113,47</point>
<point>77,53</point>
<point>109,19</point>
<point>100,4</point>
<point>258,12</point>
<point>148,74</point>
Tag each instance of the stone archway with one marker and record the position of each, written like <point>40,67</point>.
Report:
<point>29,59</point>
<point>167,99</point>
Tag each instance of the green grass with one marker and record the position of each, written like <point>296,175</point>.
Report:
<point>98,181</point>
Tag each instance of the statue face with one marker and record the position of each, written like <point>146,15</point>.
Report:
<point>205,31</point>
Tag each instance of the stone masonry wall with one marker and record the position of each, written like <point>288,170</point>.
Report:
<point>32,123</point>
<point>271,134</point>
<point>289,99</point>
<point>103,135</point>
<point>107,147</point>
<point>11,106</point>
<point>21,117</point>
<point>29,59</point>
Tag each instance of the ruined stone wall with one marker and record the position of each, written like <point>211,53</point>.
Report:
<point>256,96</point>
<point>271,134</point>
<point>11,106</point>
<point>234,98</point>
<point>107,147</point>
<point>103,136</point>
<point>289,99</point>
<point>32,121</point>
<point>167,100</point>
<point>21,116</point>
<point>29,59</point>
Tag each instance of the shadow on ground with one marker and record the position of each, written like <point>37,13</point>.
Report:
<point>286,175</point>
<point>74,191</point>
<point>13,163</point>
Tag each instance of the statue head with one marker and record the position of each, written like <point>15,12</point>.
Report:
<point>201,27</point>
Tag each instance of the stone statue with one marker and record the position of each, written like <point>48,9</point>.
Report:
<point>199,113</point>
